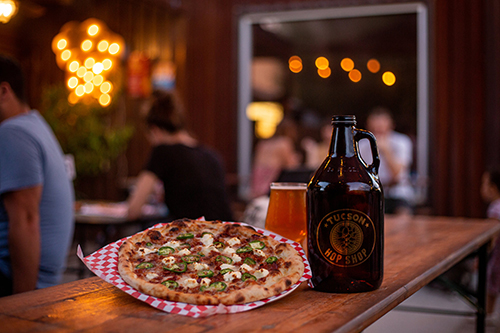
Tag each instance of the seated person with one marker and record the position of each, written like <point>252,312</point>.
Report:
<point>192,175</point>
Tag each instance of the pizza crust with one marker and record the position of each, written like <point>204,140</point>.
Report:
<point>289,271</point>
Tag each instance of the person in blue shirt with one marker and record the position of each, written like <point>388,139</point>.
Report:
<point>36,194</point>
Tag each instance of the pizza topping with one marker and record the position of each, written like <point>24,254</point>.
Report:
<point>245,267</point>
<point>151,276</point>
<point>190,283</point>
<point>168,261</point>
<point>227,266</point>
<point>245,249</point>
<point>216,286</point>
<point>225,271</point>
<point>261,273</point>
<point>207,239</point>
<point>184,252</point>
<point>259,252</point>
<point>229,251</point>
<point>231,276</point>
<point>247,276</point>
<point>205,273</point>
<point>145,251</point>
<point>257,244</point>
<point>236,258</point>
<point>185,236</point>
<point>199,267</point>
<point>219,245</point>
<point>145,265</point>
<point>271,260</point>
<point>166,250</point>
<point>224,259</point>
<point>170,284</point>
<point>177,267</point>
<point>189,259</point>
<point>205,282</point>
<point>206,250</point>
<point>233,241</point>
<point>173,244</point>
<point>249,261</point>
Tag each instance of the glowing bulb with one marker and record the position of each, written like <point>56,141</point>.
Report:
<point>389,78</point>
<point>106,87</point>
<point>292,58</point>
<point>86,45</point>
<point>88,87</point>
<point>104,99</point>
<point>114,48</point>
<point>73,66</point>
<point>88,76</point>
<point>103,45</point>
<point>79,90</point>
<point>322,63</point>
<point>347,64</point>
<point>98,79</point>
<point>324,73</point>
<point>6,11</point>
<point>62,43</point>
<point>295,66</point>
<point>73,98</point>
<point>106,64</point>
<point>93,30</point>
<point>65,55</point>
<point>72,82</point>
<point>355,75</point>
<point>81,71</point>
<point>373,65</point>
<point>89,62</point>
<point>98,68</point>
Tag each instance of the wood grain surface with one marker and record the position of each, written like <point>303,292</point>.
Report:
<point>417,250</point>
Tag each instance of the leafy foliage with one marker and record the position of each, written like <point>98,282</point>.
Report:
<point>85,130</point>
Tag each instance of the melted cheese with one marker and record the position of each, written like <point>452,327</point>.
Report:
<point>207,239</point>
<point>205,282</point>
<point>206,250</point>
<point>259,252</point>
<point>246,268</point>
<point>168,261</point>
<point>199,266</point>
<point>233,241</point>
<point>261,273</point>
<point>231,276</point>
<point>145,251</point>
<point>173,244</point>
<point>151,276</point>
<point>236,258</point>
<point>228,251</point>
<point>231,267</point>
<point>184,252</point>
<point>190,283</point>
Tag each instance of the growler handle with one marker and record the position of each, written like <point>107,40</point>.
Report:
<point>364,134</point>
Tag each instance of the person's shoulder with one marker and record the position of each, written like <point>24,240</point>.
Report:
<point>400,137</point>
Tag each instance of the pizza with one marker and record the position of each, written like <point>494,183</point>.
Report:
<point>208,262</point>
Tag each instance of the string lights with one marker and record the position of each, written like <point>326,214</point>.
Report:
<point>88,52</point>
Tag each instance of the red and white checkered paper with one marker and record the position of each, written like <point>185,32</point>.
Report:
<point>104,263</point>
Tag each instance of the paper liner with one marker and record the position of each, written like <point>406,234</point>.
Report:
<point>104,264</point>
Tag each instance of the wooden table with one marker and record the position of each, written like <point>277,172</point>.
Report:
<point>417,250</point>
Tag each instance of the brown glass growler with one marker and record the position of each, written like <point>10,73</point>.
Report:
<point>345,212</point>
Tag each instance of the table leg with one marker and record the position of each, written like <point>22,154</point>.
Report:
<point>481,288</point>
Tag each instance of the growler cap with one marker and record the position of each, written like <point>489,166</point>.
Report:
<point>344,119</point>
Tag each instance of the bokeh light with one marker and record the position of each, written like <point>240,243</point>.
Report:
<point>86,45</point>
<point>355,75</point>
<point>347,64</point>
<point>322,63</point>
<point>93,30</point>
<point>324,73</point>
<point>62,43</point>
<point>104,99</point>
<point>103,45</point>
<point>389,78</point>
<point>373,65</point>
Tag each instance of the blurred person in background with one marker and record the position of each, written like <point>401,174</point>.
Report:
<point>490,192</point>
<point>274,155</point>
<point>316,152</point>
<point>192,175</point>
<point>36,194</point>
<point>396,156</point>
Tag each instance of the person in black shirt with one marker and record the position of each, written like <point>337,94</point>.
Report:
<point>192,175</point>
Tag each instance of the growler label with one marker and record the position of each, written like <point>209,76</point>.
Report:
<point>346,237</point>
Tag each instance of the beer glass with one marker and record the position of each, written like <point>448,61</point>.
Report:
<point>286,214</point>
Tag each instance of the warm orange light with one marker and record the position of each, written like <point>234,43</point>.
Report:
<point>104,100</point>
<point>322,63</point>
<point>8,8</point>
<point>89,87</point>
<point>62,43</point>
<point>295,66</point>
<point>103,45</point>
<point>355,75</point>
<point>98,68</point>
<point>80,90</point>
<point>114,48</point>
<point>81,71</point>
<point>73,66</point>
<point>98,79</point>
<point>86,45</point>
<point>89,62</point>
<point>65,55</point>
<point>373,65</point>
<point>93,30</point>
<point>347,64</point>
<point>73,98</point>
<point>389,78</point>
<point>293,58</point>
<point>89,76</point>
<point>106,64</point>
<point>72,82</point>
<point>106,87</point>
<point>324,73</point>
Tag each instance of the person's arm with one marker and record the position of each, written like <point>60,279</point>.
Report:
<point>22,208</point>
<point>143,188</point>
<point>395,166</point>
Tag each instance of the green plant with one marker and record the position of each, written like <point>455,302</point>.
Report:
<point>85,130</point>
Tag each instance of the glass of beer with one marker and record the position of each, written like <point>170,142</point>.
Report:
<point>286,214</point>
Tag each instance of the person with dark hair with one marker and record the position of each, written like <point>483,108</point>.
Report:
<point>36,195</point>
<point>490,192</point>
<point>396,155</point>
<point>192,175</point>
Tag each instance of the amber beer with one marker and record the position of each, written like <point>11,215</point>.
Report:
<point>345,212</point>
<point>286,214</point>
